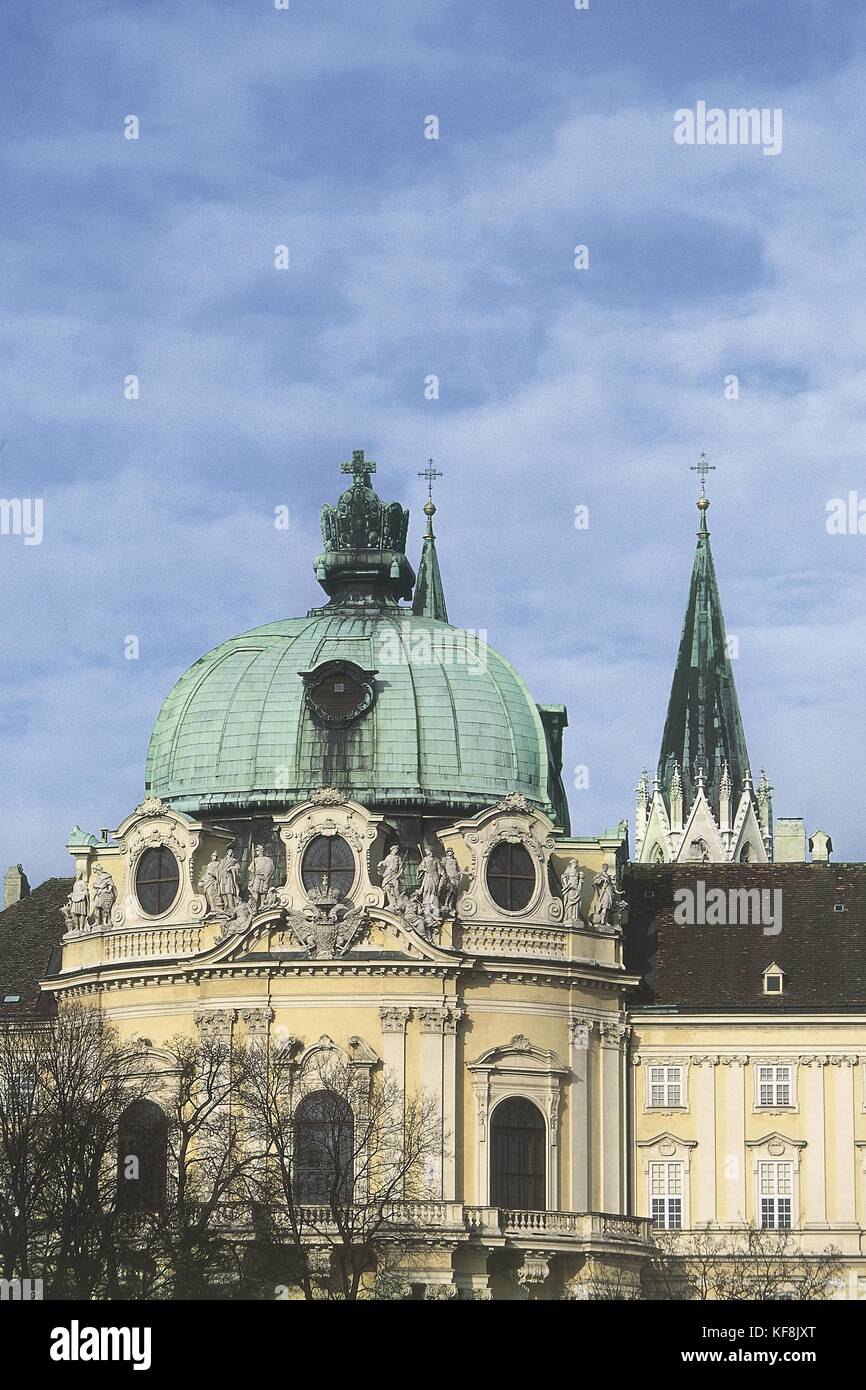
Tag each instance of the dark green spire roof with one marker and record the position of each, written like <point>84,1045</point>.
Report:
<point>703,730</point>
<point>429,600</point>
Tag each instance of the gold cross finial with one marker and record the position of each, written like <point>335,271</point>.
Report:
<point>703,468</point>
<point>360,468</point>
<point>430,474</point>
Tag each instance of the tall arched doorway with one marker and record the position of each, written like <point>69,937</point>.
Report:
<point>518,1159</point>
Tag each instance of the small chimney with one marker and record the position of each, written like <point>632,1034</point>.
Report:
<point>821,846</point>
<point>789,845</point>
<point>15,885</point>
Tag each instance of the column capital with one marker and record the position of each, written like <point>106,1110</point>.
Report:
<point>257,1021</point>
<point>215,1023</point>
<point>580,1031</point>
<point>614,1034</point>
<point>394,1018</point>
<point>443,1018</point>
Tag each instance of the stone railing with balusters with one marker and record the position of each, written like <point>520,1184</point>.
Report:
<point>492,939</point>
<point>444,1216</point>
<point>153,943</point>
<point>585,1225</point>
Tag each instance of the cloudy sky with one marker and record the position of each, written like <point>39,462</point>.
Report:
<point>412,257</point>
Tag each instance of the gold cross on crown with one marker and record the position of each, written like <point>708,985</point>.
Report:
<point>360,468</point>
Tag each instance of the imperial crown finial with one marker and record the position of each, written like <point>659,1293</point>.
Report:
<point>365,542</point>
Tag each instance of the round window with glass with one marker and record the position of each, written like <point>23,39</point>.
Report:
<point>511,876</point>
<point>328,864</point>
<point>157,880</point>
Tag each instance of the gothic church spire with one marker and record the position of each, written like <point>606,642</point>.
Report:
<point>703,766</point>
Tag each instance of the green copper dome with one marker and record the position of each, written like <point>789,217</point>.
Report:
<point>398,710</point>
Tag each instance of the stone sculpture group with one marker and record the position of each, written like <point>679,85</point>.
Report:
<point>434,896</point>
<point>80,906</point>
<point>220,883</point>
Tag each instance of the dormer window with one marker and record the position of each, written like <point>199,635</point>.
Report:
<point>774,980</point>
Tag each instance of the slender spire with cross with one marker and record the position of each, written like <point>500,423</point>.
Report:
<point>430,474</point>
<point>429,600</point>
<point>360,468</point>
<point>702,468</point>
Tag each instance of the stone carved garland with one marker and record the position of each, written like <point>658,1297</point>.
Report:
<point>328,796</point>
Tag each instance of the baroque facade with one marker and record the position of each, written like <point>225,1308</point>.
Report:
<point>355,835</point>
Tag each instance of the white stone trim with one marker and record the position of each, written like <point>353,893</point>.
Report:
<point>531,1073</point>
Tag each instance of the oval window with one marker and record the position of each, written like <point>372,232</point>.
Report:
<point>338,695</point>
<point>157,880</point>
<point>328,861</point>
<point>511,876</point>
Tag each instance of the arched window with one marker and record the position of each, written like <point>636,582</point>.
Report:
<point>142,1150</point>
<point>324,1149</point>
<point>511,876</point>
<point>746,853</point>
<point>518,1163</point>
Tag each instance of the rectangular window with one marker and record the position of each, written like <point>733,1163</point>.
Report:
<point>666,1196</point>
<point>665,1087</point>
<point>776,1185</point>
<point>775,1087</point>
<point>17,1091</point>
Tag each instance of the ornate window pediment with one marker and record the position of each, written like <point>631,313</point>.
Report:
<point>518,1070</point>
<point>511,845</point>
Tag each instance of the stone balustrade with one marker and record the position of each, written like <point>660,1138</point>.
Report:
<point>152,943</point>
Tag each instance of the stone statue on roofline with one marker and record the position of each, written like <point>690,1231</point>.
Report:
<point>431,877</point>
<point>104,896</point>
<point>450,887</point>
<point>572,888</point>
<point>209,883</point>
<point>76,909</point>
<point>237,921</point>
<point>228,879</point>
<point>609,906</point>
<point>390,869</point>
<point>261,876</point>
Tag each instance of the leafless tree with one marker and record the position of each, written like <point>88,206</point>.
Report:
<point>191,1244</point>
<point>344,1164</point>
<point>25,1155</point>
<point>746,1262</point>
<point>63,1088</point>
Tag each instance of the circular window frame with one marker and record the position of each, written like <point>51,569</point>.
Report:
<point>147,849</point>
<point>334,670</point>
<point>537,878</point>
<point>319,834</point>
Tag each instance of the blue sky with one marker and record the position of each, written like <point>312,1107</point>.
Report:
<point>412,257</point>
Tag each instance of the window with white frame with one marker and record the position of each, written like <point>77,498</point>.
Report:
<point>665,1088</point>
<point>666,1195</point>
<point>775,1087</point>
<point>776,1191</point>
